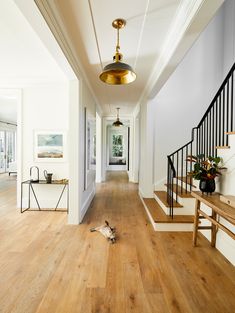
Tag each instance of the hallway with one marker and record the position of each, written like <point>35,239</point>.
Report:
<point>48,266</point>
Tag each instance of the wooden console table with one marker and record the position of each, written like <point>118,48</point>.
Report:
<point>219,209</point>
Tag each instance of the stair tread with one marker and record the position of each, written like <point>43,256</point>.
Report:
<point>222,147</point>
<point>230,133</point>
<point>159,216</point>
<point>181,192</point>
<point>187,180</point>
<point>162,195</point>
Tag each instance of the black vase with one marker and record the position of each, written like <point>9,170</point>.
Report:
<point>207,185</point>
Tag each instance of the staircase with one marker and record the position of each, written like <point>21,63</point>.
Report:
<point>172,207</point>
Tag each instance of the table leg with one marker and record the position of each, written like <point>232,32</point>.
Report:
<point>29,197</point>
<point>196,220</point>
<point>60,197</point>
<point>35,197</point>
<point>213,229</point>
<point>67,198</point>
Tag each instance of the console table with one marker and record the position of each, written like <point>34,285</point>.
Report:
<point>31,185</point>
<point>219,209</point>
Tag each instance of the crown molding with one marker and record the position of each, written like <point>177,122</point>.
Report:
<point>50,13</point>
<point>184,17</point>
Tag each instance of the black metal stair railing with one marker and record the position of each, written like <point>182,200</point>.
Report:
<point>210,134</point>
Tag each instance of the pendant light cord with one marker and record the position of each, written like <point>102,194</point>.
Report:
<point>118,44</point>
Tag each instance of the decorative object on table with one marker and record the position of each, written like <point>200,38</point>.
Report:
<point>205,170</point>
<point>230,200</point>
<point>50,146</point>
<point>48,177</point>
<point>107,231</point>
<point>61,181</point>
<point>34,174</point>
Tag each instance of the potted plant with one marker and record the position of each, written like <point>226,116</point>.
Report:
<point>205,170</point>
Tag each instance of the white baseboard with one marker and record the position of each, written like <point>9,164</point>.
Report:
<point>86,204</point>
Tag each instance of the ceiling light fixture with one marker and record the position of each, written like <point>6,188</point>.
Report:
<point>117,123</point>
<point>118,73</point>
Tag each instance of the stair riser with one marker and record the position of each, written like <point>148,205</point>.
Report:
<point>184,185</point>
<point>167,226</point>
<point>182,201</point>
<point>173,227</point>
<point>188,210</point>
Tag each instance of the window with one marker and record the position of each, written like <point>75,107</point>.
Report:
<point>117,146</point>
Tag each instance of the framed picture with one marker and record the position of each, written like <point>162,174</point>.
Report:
<point>49,146</point>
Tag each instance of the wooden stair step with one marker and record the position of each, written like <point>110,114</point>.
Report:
<point>181,191</point>
<point>187,180</point>
<point>159,216</point>
<point>230,133</point>
<point>222,147</point>
<point>162,195</point>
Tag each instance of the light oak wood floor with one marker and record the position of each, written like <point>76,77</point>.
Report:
<point>48,266</point>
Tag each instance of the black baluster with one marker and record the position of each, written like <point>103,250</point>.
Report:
<point>232,117</point>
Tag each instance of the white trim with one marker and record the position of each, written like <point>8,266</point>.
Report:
<point>87,204</point>
<point>74,143</point>
<point>191,15</point>
<point>49,12</point>
<point>17,94</point>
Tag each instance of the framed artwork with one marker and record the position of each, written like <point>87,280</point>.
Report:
<point>49,146</point>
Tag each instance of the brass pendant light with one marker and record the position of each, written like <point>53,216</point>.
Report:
<point>118,73</point>
<point>117,123</point>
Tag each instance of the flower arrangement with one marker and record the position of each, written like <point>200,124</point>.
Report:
<point>206,169</point>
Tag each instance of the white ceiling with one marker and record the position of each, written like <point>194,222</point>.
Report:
<point>154,32</point>
<point>23,57</point>
<point>157,35</point>
<point>148,23</point>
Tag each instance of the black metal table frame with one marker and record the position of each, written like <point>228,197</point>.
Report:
<point>43,182</point>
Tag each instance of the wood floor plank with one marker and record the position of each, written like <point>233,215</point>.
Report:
<point>48,266</point>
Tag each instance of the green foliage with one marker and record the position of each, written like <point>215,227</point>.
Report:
<point>205,169</point>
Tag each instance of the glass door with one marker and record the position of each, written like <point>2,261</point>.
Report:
<point>2,151</point>
<point>7,149</point>
<point>10,148</point>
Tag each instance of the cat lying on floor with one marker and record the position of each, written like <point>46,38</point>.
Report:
<point>107,231</point>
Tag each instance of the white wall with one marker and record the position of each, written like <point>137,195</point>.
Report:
<point>146,152</point>
<point>98,148</point>
<point>229,35</point>
<point>59,106</point>
<point>182,101</point>
<point>44,107</point>
<point>88,190</point>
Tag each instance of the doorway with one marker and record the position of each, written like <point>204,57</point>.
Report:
<point>7,151</point>
<point>117,148</point>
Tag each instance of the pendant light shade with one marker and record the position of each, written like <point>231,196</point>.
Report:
<point>118,73</point>
<point>117,123</point>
